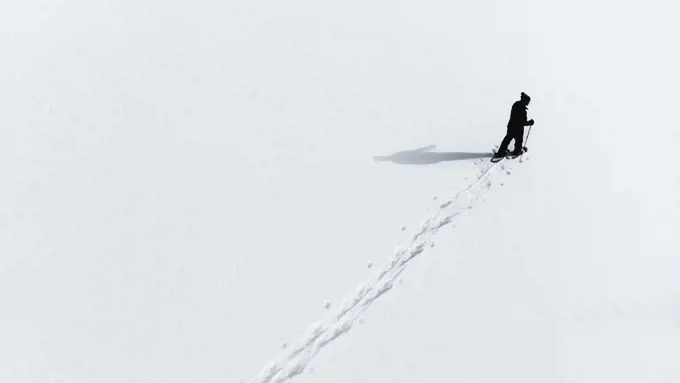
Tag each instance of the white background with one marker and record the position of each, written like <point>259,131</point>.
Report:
<point>185,185</point>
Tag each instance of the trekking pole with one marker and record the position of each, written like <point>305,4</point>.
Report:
<point>525,144</point>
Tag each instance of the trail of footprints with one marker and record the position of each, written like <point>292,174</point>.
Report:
<point>298,355</point>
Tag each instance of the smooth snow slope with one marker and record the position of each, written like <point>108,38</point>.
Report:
<point>568,271</point>
<point>186,185</point>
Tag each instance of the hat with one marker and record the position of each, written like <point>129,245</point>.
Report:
<point>525,96</point>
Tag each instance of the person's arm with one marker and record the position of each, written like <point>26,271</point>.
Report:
<point>524,117</point>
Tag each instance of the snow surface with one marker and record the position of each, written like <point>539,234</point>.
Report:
<point>269,191</point>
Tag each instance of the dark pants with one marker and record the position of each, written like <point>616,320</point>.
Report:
<point>514,133</point>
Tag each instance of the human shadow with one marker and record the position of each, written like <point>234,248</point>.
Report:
<point>424,156</point>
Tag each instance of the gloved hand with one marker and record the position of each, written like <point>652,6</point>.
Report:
<point>530,122</point>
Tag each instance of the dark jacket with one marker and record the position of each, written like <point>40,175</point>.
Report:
<point>518,115</point>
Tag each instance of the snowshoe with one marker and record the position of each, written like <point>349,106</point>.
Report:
<point>497,156</point>
<point>517,153</point>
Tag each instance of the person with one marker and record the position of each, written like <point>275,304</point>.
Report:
<point>518,120</point>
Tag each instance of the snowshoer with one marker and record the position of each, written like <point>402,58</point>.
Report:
<point>516,124</point>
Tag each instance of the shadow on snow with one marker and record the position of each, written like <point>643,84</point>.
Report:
<point>424,156</point>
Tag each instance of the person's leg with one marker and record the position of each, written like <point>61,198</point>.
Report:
<point>506,141</point>
<point>518,135</point>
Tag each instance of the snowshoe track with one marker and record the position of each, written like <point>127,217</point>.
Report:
<point>296,358</point>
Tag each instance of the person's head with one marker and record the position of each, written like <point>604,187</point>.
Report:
<point>525,99</point>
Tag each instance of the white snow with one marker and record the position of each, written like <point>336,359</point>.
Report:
<point>185,182</point>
